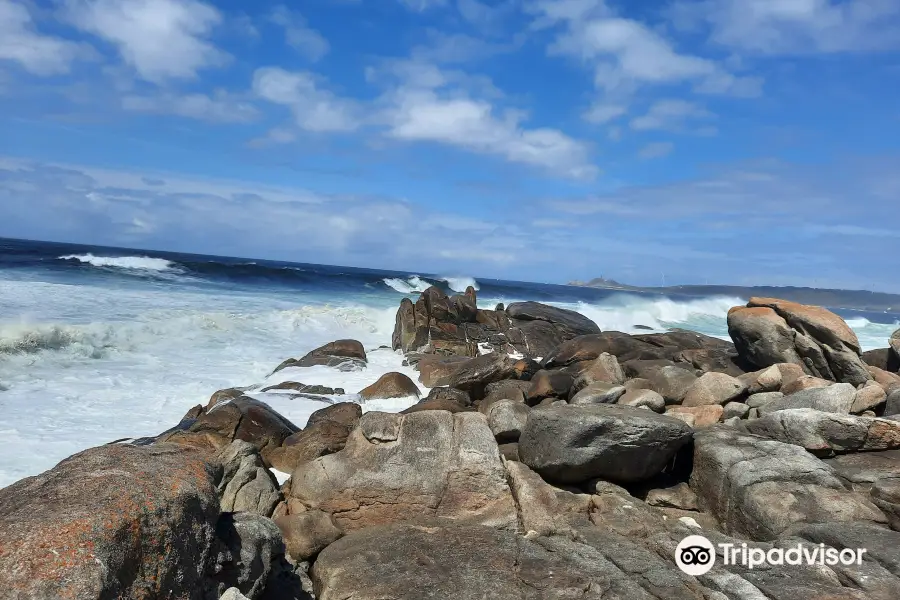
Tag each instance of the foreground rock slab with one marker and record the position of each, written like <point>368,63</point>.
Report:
<point>405,562</point>
<point>759,488</point>
<point>572,444</point>
<point>117,521</point>
<point>401,467</point>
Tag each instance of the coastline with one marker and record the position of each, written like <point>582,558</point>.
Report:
<point>529,433</point>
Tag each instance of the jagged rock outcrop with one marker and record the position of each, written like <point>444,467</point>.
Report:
<point>453,325</point>
<point>769,331</point>
<point>325,433</point>
<point>245,484</point>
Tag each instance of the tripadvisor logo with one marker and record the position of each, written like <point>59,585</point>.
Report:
<point>696,555</point>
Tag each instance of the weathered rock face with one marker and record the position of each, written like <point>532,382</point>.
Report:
<point>599,393</point>
<point>714,388</point>
<point>697,416</point>
<point>605,368</point>
<point>640,398</point>
<point>506,419</point>
<point>759,488</point>
<point>769,331</point>
<point>307,533</point>
<point>549,384</point>
<point>572,444</point>
<point>690,350</point>
<point>391,385</point>
<point>894,343</point>
<point>827,434</point>
<point>474,375</point>
<point>439,324</point>
<point>837,398</point>
<point>345,355</point>
<point>245,485</point>
<point>326,433</point>
<point>248,547</point>
<point>117,521</point>
<point>400,467</point>
<point>443,398</point>
<point>406,562</point>
<point>241,418</point>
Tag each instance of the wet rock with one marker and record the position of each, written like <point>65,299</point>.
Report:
<point>825,434</point>
<point>118,521</point>
<point>474,375</point>
<point>436,371</point>
<point>326,433</point>
<point>759,488</point>
<point>302,388</point>
<point>599,393</point>
<point>571,444</point>
<point>643,399</point>
<point>549,384</point>
<point>400,467</point>
<point>307,533</point>
<point>769,331</point>
<point>836,398</point>
<point>573,322</point>
<point>714,388</point>
<point>391,385</point>
<point>345,355</point>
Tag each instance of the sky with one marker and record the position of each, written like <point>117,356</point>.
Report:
<point>687,141</point>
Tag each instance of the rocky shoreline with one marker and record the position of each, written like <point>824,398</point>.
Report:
<point>548,460</point>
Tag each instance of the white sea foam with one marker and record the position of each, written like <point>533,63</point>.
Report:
<point>81,365</point>
<point>144,263</point>
<point>459,284</point>
<point>413,285</point>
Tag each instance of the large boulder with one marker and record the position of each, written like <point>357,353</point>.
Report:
<point>825,433</point>
<point>326,433</point>
<point>572,322</point>
<point>549,384</point>
<point>837,398</point>
<point>894,343</point>
<point>413,562</point>
<point>572,444</point>
<point>401,467</point>
<point>436,323</point>
<point>240,418</point>
<point>345,355</point>
<point>118,521</point>
<point>769,331</point>
<point>759,488</point>
<point>391,385</point>
<point>605,368</point>
<point>714,388</point>
<point>437,370</point>
<point>474,375</point>
<point>307,533</point>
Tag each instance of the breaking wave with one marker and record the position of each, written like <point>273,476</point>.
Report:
<point>142,263</point>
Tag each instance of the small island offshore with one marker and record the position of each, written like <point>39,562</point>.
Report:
<point>548,460</point>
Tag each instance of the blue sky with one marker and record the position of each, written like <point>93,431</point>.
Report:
<point>729,141</point>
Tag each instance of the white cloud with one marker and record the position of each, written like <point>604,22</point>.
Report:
<point>219,107</point>
<point>160,39</point>
<point>423,5</point>
<point>299,35</point>
<point>604,112</point>
<point>670,115</point>
<point>784,27</point>
<point>656,150</point>
<point>36,52</point>
<point>314,108</point>
<point>425,109</point>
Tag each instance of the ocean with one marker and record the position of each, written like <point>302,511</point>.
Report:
<point>98,344</point>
